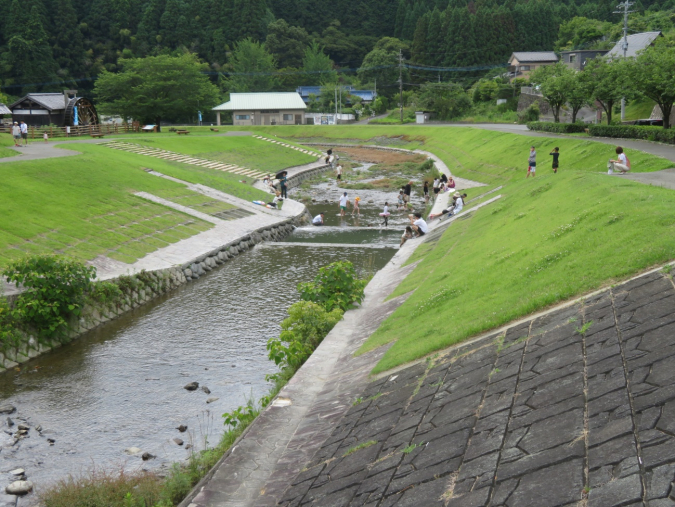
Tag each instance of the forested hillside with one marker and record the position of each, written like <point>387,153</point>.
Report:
<point>54,44</point>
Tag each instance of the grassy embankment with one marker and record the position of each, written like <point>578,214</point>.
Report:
<point>6,141</point>
<point>547,240</point>
<point>83,206</point>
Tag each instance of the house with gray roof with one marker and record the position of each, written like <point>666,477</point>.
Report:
<point>636,43</point>
<point>4,109</point>
<point>61,109</point>
<point>273,108</point>
<point>522,63</point>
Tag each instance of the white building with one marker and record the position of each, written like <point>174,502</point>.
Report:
<point>275,108</point>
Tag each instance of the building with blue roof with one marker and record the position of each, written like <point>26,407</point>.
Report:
<point>367,96</point>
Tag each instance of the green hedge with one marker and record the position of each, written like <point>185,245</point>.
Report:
<point>558,128</point>
<point>633,132</point>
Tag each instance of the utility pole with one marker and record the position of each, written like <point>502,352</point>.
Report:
<point>400,81</point>
<point>624,10</point>
<point>336,106</point>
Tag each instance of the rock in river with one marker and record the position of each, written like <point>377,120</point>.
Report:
<point>7,409</point>
<point>206,390</point>
<point>146,456</point>
<point>211,400</point>
<point>192,386</point>
<point>19,488</point>
<point>132,450</point>
<point>178,441</point>
<point>182,428</point>
<point>18,471</point>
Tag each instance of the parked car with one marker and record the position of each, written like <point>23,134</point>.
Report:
<point>651,123</point>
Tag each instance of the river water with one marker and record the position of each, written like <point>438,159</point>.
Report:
<point>121,386</point>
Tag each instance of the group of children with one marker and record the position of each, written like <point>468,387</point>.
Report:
<point>532,161</point>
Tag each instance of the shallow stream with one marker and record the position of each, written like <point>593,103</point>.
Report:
<point>121,386</point>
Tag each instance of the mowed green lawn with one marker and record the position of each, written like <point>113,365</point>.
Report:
<point>545,241</point>
<point>244,151</point>
<point>83,206</point>
<point>6,141</point>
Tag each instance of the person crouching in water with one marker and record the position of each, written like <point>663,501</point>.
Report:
<point>419,226</point>
<point>318,220</point>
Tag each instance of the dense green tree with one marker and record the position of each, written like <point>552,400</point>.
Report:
<point>155,88</point>
<point>286,43</point>
<point>252,68</point>
<point>580,33</point>
<point>68,43</point>
<point>447,100</point>
<point>653,74</point>
<point>419,43</point>
<point>317,66</point>
<point>554,84</point>
<point>609,83</point>
<point>381,65</point>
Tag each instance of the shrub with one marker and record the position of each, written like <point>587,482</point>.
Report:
<point>55,290</point>
<point>105,293</point>
<point>530,114</point>
<point>10,336</point>
<point>633,132</point>
<point>336,286</point>
<point>558,128</point>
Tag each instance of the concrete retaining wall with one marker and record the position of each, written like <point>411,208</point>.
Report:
<point>162,281</point>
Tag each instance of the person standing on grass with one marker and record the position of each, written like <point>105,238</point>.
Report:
<point>16,134</point>
<point>622,164</point>
<point>532,163</point>
<point>24,133</point>
<point>555,154</point>
<point>339,172</point>
<point>344,203</point>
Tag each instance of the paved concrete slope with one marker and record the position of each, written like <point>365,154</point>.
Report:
<point>538,415</point>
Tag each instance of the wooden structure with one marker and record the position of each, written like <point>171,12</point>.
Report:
<point>521,64</point>
<point>60,109</point>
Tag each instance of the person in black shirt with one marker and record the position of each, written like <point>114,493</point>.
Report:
<point>555,154</point>
<point>407,190</point>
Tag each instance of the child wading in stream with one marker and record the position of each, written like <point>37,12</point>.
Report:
<point>385,214</point>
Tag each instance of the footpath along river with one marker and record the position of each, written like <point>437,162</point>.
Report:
<point>121,386</point>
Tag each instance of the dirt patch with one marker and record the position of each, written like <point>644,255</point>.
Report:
<point>379,156</point>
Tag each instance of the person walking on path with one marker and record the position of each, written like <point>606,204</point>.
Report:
<point>555,154</point>
<point>24,133</point>
<point>339,172</point>
<point>532,163</point>
<point>385,214</point>
<point>344,203</point>
<point>16,134</point>
<point>355,208</point>
<point>622,164</point>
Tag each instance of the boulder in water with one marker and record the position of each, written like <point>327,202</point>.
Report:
<point>206,390</point>
<point>178,441</point>
<point>19,488</point>
<point>192,386</point>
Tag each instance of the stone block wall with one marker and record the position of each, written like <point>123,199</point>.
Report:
<point>158,283</point>
<point>526,100</point>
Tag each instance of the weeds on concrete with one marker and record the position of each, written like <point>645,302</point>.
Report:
<point>359,447</point>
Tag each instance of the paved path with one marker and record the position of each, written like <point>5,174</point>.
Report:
<point>575,407</point>
<point>39,151</point>
<point>257,470</point>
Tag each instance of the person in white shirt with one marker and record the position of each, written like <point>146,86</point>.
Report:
<point>418,224</point>
<point>437,186</point>
<point>16,134</point>
<point>622,164</point>
<point>344,202</point>
<point>339,172</point>
<point>456,207</point>
<point>24,133</point>
<point>385,214</point>
<point>318,220</point>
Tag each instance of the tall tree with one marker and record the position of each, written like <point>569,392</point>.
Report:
<point>610,82</point>
<point>252,68</point>
<point>382,65</point>
<point>68,43</point>
<point>286,43</point>
<point>653,74</point>
<point>317,66</point>
<point>554,83</point>
<point>155,88</point>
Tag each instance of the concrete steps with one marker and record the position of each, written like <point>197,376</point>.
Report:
<point>183,159</point>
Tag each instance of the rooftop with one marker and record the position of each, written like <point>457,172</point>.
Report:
<point>534,56</point>
<point>4,109</point>
<point>257,101</point>
<point>636,42</point>
<point>51,101</point>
